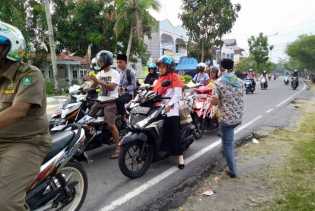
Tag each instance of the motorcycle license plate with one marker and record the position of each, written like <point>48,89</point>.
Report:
<point>141,110</point>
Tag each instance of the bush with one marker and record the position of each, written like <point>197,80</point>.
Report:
<point>50,89</point>
<point>186,78</point>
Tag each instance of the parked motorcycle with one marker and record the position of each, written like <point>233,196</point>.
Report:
<point>62,182</point>
<point>203,113</point>
<point>294,83</point>
<point>96,131</point>
<point>249,86</point>
<point>73,109</point>
<point>263,83</point>
<point>143,144</point>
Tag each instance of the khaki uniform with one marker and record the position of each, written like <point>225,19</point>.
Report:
<point>24,144</point>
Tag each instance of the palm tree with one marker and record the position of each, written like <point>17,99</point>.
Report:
<point>133,15</point>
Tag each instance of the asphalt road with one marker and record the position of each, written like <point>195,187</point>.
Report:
<point>110,190</point>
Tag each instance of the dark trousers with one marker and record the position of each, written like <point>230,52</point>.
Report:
<point>171,135</point>
<point>121,101</point>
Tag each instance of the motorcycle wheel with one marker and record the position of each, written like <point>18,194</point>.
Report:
<point>135,159</point>
<point>198,132</point>
<point>76,175</point>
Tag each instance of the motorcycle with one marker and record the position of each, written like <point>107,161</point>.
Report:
<point>71,110</point>
<point>286,80</point>
<point>263,83</point>
<point>62,182</point>
<point>203,113</point>
<point>143,144</point>
<point>294,83</point>
<point>249,86</point>
<point>96,131</point>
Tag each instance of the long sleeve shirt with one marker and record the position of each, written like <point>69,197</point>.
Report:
<point>175,94</point>
<point>128,86</point>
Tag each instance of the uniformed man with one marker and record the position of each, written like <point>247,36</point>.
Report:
<point>24,135</point>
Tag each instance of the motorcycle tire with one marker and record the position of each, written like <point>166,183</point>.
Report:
<point>147,159</point>
<point>78,200</point>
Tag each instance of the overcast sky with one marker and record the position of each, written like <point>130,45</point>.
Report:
<point>282,20</point>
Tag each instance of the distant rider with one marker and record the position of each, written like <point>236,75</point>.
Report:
<point>201,77</point>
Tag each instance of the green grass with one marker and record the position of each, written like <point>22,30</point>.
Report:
<point>295,183</point>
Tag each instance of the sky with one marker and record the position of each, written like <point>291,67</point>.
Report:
<point>281,20</point>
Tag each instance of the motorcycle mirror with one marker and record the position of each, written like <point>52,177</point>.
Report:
<point>166,83</point>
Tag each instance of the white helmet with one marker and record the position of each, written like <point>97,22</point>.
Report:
<point>201,66</point>
<point>94,65</point>
<point>13,37</point>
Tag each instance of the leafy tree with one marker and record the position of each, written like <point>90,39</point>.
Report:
<point>208,20</point>
<point>133,21</point>
<point>302,53</point>
<point>81,23</point>
<point>245,64</point>
<point>259,50</point>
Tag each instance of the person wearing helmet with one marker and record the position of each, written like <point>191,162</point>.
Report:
<point>24,130</point>
<point>108,80</point>
<point>171,126</point>
<point>153,75</point>
<point>201,77</point>
<point>251,76</point>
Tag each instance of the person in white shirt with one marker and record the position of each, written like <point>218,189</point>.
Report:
<point>108,80</point>
<point>171,126</point>
<point>201,77</point>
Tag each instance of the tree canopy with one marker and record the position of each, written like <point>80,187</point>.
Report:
<point>259,50</point>
<point>105,24</point>
<point>302,53</point>
<point>208,20</point>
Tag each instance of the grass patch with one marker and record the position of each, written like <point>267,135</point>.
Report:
<point>294,182</point>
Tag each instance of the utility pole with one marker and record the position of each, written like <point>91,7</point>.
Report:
<point>52,44</point>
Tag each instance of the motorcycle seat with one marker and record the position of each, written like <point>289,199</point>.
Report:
<point>59,141</point>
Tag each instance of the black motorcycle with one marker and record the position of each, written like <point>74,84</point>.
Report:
<point>249,86</point>
<point>294,83</point>
<point>97,133</point>
<point>143,144</point>
<point>62,182</point>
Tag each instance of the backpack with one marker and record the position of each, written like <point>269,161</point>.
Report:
<point>128,74</point>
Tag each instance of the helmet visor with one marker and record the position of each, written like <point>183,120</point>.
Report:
<point>4,40</point>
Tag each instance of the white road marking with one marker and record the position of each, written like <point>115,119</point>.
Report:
<point>128,196</point>
<point>270,110</point>
<point>242,127</point>
<point>291,97</point>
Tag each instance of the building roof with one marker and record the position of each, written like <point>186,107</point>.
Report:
<point>66,56</point>
<point>166,25</point>
<point>230,42</point>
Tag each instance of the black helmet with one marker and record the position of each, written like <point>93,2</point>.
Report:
<point>104,58</point>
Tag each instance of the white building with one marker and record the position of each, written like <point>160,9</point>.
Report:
<point>167,40</point>
<point>230,50</point>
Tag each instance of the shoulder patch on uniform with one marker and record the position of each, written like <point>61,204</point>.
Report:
<point>27,80</point>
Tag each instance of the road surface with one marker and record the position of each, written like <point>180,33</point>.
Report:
<point>110,190</point>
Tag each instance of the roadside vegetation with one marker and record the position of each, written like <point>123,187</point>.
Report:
<point>294,183</point>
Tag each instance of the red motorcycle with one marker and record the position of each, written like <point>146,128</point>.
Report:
<point>203,112</point>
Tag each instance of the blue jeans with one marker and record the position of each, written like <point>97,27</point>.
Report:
<point>229,146</point>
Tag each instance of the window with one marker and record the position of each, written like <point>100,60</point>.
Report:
<point>74,74</point>
<point>81,73</point>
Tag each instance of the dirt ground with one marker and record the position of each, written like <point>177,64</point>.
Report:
<point>258,162</point>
